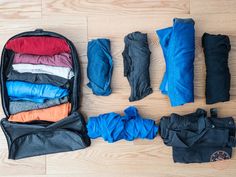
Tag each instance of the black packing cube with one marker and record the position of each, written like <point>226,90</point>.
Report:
<point>39,137</point>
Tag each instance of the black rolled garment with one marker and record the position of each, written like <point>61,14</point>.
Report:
<point>31,139</point>
<point>216,51</point>
<point>196,138</point>
<point>136,58</point>
<point>38,78</point>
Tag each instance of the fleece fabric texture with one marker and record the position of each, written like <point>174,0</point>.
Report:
<point>216,51</point>
<point>113,127</point>
<point>63,59</point>
<point>39,93</point>
<point>21,106</point>
<point>178,46</point>
<point>52,114</point>
<point>64,72</point>
<point>38,78</point>
<point>100,66</point>
<point>40,45</point>
<point>136,59</point>
<point>196,138</point>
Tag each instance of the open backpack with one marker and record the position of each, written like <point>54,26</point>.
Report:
<point>39,137</point>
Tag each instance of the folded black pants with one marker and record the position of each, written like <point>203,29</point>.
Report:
<point>196,138</point>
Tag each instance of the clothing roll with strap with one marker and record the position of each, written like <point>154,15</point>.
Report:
<point>216,50</point>
<point>113,127</point>
<point>178,46</point>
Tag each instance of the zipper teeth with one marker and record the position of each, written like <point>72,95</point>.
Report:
<point>76,66</point>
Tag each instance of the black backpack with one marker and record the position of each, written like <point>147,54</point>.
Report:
<point>41,137</point>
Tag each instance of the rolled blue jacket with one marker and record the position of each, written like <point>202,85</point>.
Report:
<point>113,127</point>
<point>100,66</point>
<point>18,90</point>
<point>178,46</point>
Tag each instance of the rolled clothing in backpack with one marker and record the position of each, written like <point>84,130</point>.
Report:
<point>63,72</point>
<point>38,45</point>
<point>38,78</point>
<point>62,59</point>
<point>21,106</point>
<point>52,114</point>
<point>39,93</point>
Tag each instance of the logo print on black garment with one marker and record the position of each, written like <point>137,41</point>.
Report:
<point>219,155</point>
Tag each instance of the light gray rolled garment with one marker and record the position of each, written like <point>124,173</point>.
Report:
<point>21,106</point>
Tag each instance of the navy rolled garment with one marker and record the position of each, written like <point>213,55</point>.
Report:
<point>113,127</point>
<point>136,58</point>
<point>216,51</point>
<point>178,46</point>
<point>39,93</point>
<point>100,66</point>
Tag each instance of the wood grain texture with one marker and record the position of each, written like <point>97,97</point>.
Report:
<point>115,7</point>
<point>14,9</point>
<point>83,20</point>
<point>212,6</point>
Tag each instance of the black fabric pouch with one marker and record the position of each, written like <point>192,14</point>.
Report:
<point>38,137</point>
<point>196,138</point>
<point>216,51</point>
<point>26,140</point>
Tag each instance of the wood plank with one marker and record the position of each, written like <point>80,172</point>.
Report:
<point>28,166</point>
<point>72,27</point>
<point>212,6</point>
<point>115,7</point>
<point>138,158</point>
<point>24,9</point>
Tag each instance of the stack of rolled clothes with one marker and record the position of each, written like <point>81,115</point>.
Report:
<point>38,82</point>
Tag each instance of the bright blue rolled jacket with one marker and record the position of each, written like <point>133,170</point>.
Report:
<point>100,66</point>
<point>18,90</point>
<point>178,46</point>
<point>113,127</point>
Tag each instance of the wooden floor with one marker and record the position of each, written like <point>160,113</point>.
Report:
<point>82,20</point>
